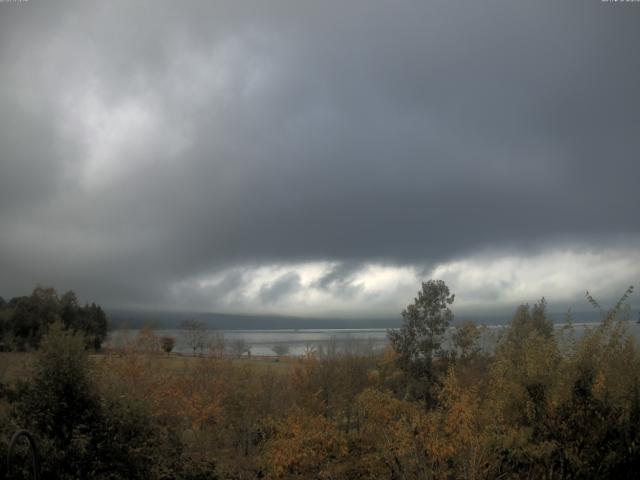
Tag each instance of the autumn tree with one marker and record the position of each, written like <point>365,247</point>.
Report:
<point>465,339</point>
<point>397,439</point>
<point>317,380</point>
<point>81,433</point>
<point>303,445</point>
<point>566,411</point>
<point>530,320</point>
<point>240,406</point>
<point>167,343</point>
<point>195,334</point>
<point>147,341</point>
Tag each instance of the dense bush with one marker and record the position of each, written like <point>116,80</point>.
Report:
<point>167,344</point>
<point>85,433</point>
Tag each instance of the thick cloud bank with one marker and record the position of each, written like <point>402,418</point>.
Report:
<point>318,158</point>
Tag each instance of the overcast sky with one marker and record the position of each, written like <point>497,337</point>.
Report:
<point>319,158</point>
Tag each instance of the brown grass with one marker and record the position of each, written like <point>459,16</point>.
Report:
<point>15,365</point>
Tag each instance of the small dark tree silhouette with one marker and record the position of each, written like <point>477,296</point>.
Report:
<point>167,343</point>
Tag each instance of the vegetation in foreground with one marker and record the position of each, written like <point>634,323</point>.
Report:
<point>545,404</point>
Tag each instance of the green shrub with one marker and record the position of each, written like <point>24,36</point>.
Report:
<point>83,435</point>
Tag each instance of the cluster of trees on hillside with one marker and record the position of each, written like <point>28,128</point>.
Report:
<point>546,403</point>
<point>25,320</point>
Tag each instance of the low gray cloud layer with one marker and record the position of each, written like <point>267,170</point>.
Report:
<point>145,145</point>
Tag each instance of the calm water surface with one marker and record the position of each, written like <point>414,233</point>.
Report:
<point>262,342</point>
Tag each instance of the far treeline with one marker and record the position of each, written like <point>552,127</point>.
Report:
<point>25,320</point>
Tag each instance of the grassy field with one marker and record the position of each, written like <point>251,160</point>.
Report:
<point>15,365</point>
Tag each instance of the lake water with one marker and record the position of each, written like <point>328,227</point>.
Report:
<point>298,342</point>
<point>262,342</point>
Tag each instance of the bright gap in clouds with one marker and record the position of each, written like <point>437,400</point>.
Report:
<point>118,139</point>
<point>482,283</point>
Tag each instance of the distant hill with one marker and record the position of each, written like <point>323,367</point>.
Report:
<point>119,318</point>
<point>226,321</point>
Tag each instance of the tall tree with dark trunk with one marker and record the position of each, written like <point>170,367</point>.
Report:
<point>418,342</point>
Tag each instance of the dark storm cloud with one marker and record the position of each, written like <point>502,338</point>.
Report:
<point>340,280</point>
<point>284,285</point>
<point>143,144</point>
